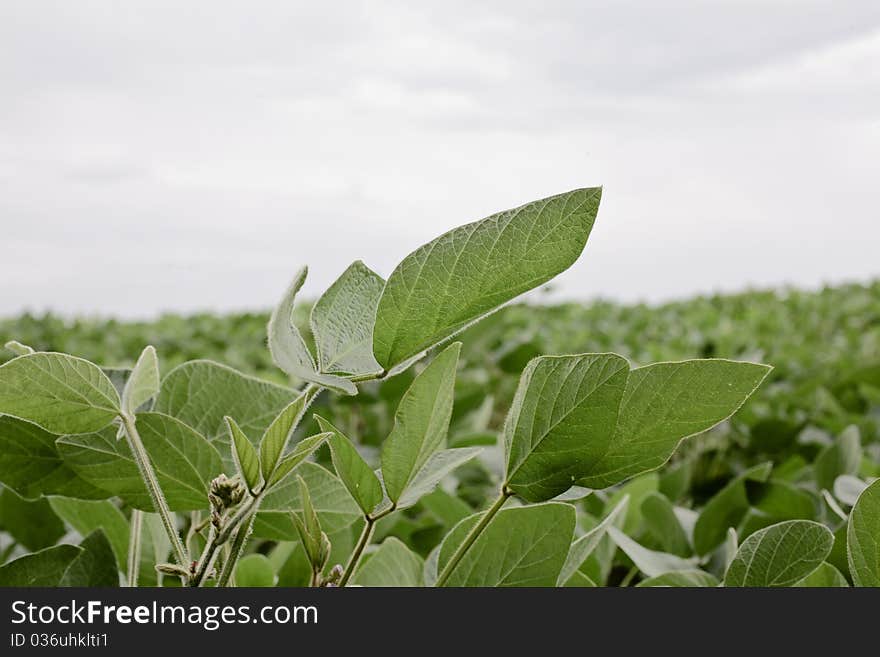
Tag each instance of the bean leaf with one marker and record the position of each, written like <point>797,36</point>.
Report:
<point>393,564</point>
<point>143,382</point>
<point>463,275</point>
<point>358,477</point>
<point>61,393</point>
<point>521,546</point>
<point>780,555</point>
<point>420,423</point>
<point>342,322</point>
<point>863,538</point>
<point>289,350</point>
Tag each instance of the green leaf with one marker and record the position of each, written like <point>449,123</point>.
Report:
<point>245,455</point>
<point>561,421</point>
<point>420,423</point>
<point>840,458</point>
<point>587,419</point>
<point>681,578</point>
<point>342,322</point>
<point>60,393</point>
<point>254,570</point>
<point>200,393</point>
<point>665,403</point>
<point>289,350</point>
<point>44,568</point>
<point>358,477</point>
<point>143,383</point>
<point>726,509</point>
<point>87,516</point>
<point>663,524</point>
<point>33,524</point>
<point>184,462</point>
<point>447,508</point>
<point>335,507</point>
<point>95,565</point>
<point>583,547</point>
<point>438,466</point>
<point>463,275</point>
<point>31,465</point>
<point>393,564</point>
<point>275,438</point>
<point>155,547</point>
<point>780,555</point>
<point>825,576</point>
<point>650,562</point>
<point>300,452</point>
<point>521,546</point>
<point>863,538</point>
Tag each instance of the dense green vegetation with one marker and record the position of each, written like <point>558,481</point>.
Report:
<point>779,494</point>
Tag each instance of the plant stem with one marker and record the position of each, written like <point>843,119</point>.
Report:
<point>362,543</point>
<point>238,542</point>
<point>216,539</point>
<point>134,546</point>
<point>472,536</point>
<point>152,483</point>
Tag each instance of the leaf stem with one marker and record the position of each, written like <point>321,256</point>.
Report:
<point>363,542</point>
<point>472,536</point>
<point>238,542</point>
<point>134,546</point>
<point>152,483</point>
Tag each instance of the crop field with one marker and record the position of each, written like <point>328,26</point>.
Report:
<point>382,436</point>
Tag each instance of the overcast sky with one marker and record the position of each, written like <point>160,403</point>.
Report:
<point>192,155</point>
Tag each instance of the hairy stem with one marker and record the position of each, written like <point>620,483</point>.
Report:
<point>362,543</point>
<point>472,536</point>
<point>238,543</point>
<point>152,484</point>
<point>134,546</point>
<point>217,539</point>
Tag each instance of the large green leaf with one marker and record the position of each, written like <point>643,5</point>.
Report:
<point>94,566</point>
<point>342,322</point>
<point>461,276</point>
<point>780,555</point>
<point>521,546</point>
<point>33,524</point>
<point>184,462</point>
<point>143,382</point>
<point>86,516</point>
<point>200,393</point>
<point>335,507</point>
<point>393,564</point>
<point>44,568</point>
<point>588,419</point>
<point>355,473</point>
<point>561,421</point>
<point>61,393</point>
<point>31,465</point>
<point>420,423</point>
<point>863,538</point>
<point>665,403</point>
<point>289,350</point>
<point>726,509</point>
